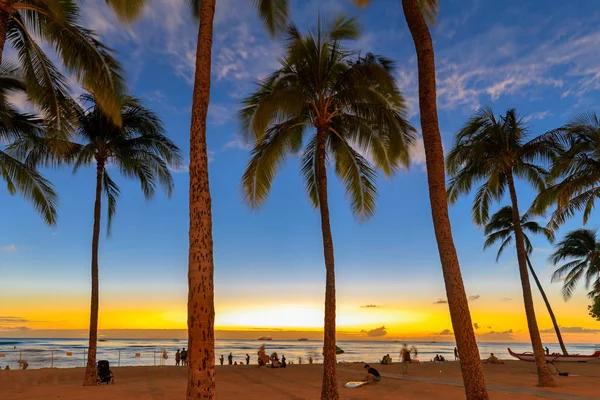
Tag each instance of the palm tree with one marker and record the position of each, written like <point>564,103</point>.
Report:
<point>354,107</point>
<point>89,61</point>
<point>142,151</point>
<point>493,151</point>
<point>581,249</point>
<point>21,177</point>
<point>576,170</point>
<point>500,227</point>
<point>417,13</point>
<point>138,147</point>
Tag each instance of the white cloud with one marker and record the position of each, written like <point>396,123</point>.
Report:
<point>218,114</point>
<point>8,248</point>
<point>237,142</point>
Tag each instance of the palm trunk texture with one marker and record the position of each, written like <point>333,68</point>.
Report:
<point>329,390</point>
<point>90,369</point>
<point>470,362</point>
<point>552,317</point>
<point>544,377</point>
<point>201,307</point>
<point>4,17</point>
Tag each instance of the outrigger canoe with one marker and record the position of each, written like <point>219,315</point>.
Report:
<point>530,357</point>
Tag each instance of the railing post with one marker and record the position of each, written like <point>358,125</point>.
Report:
<point>154,353</point>
<point>84,360</point>
<point>52,359</point>
<point>119,364</point>
<point>20,354</point>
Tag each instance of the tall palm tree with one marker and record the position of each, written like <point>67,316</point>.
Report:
<point>56,22</point>
<point>138,147</point>
<point>201,310</point>
<point>354,107</point>
<point>576,170</point>
<point>21,177</point>
<point>417,13</point>
<point>581,249</point>
<point>494,151</point>
<point>500,228</point>
<point>142,151</point>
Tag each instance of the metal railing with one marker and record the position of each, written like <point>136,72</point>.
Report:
<point>77,357</point>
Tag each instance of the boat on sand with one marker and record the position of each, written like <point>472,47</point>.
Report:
<point>530,357</point>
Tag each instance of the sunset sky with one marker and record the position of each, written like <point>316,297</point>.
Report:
<point>538,57</point>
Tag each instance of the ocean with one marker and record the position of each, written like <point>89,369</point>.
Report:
<point>69,353</point>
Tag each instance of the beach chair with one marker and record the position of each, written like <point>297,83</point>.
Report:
<point>105,375</point>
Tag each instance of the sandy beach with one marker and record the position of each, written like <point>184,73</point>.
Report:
<point>513,380</point>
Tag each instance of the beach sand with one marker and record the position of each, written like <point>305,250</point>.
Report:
<point>298,382</point>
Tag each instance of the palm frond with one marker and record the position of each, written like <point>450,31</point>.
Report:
<point>111,191</point>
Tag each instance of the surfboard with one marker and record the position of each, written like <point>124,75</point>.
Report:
<point>353,385</point>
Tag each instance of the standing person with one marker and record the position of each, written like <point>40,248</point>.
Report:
<point>177,357</point>
<point>414,350</point>
<point>230,358</point>
<point>184,356</point>
<point>310,360</point>
<point>405,357</point>
<point>547,351</point>
<point>456,357</point>
<point>221,359</point>
<point>247,359</point>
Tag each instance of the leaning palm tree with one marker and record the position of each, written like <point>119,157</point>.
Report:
<point>56,23</point>
<point>336,109</point>
<point>138,147</point>
<point>581,251</point>
<point>201,310</point>
<point>21,177</point>
<point>493,151</point>
<point>574,173</point>
<point>500,228</point>
<point>417,14</point>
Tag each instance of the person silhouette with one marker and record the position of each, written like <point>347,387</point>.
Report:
<point>221,359</point>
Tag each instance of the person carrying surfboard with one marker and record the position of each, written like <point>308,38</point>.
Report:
<point>372,374</point>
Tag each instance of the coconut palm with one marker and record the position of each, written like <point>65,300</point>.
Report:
<point>500,228</point>
<point>19,176</point>
<point>355,108</point>
<point>140,150</point>
<point>581,251</point>
<point>417,14</point>
<point>574,173</point>
<point>494,150</point>
<point>56,23</point>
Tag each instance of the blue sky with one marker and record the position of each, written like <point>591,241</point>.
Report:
<point>538,57</point>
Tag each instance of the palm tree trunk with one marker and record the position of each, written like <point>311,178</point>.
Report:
<point>552,317</point>
<point>472,371</point>
<point>90,370</point>
<point>201,307</point>
<point>4,18</point>
<point>544,377</point>
<point>329,390</point>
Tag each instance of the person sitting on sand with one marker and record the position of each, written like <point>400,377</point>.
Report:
<point>372,374</point>
<point>492,359</point>
<point>310,360</point>
<point>7,368</point>
<point>386,360</point>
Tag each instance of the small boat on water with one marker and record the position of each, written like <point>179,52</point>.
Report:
<point>265,338</point>
<point>303,339</point>
<point>530,357</point>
